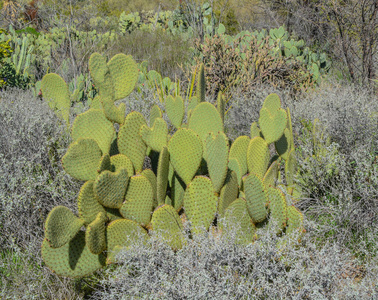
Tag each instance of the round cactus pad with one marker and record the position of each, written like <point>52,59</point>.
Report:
<point>256,198</point>
<point>110,188</point>
<point>155,112</point>
<point>156,137</point>
<point>139,200</point>
<point>229,192</point>
<point>124,72</point>
<point>72,259</point>
<point>238,150</point>
<point>123,232</point>
<point>88,206</point>
<point>205,119</point>
<point>295,220</point>
<point>175,109</point>
<point>185,148</point>
<point>166,223</point>
<point>200,203</point>
<point>216,156</point>
<point>55,92</point>
<point>130,143</point>
<point>61,226</point>
<point>271,175</point>
<point>237,221</point>
<point>272,103</point>
<point>93,124</point>
<point>258,156</point>
<point>82,159</point>
<point>112,112</point>
<point>272,124</point>
<point>277,206</point>
<point>97,67</point>
<point>95,236</point>
<point>121,161</point>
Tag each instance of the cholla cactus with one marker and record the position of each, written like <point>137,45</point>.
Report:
<point>197,175</point>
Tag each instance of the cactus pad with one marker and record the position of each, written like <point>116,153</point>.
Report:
<point>155,112</point>
<point>271,175</point>
<point>295,220</point>
<point>150,175</point>
<point>256,198</point>
<point>124,72</point>
<point>228,193</point>
<point>216,156</point>
<point>94,125</point>
<point>105,163</point>
<point>130,142</point>
<point>185,148</point>
<point>110,188</point>
<point>82,159</point>
<point>236,215</point>
<point>61,226</point>
<point>234,165</point>
<point>175,109</point>
<point>255,130</point>
<point>162,176</point>
<point>112,112</point>
<point>238,150</point>
<point>166,222</point>
<point>272,124</point>
<point>277,206</point>
<point>283,144</point>
<point>200,203</point>
<point>290,167</point>
<point>205,119</point>
<point>121,161</point>
<point>97,67</point>
<point>258,156</point>
<point>156,137</point>
<point>139,200</point>
<point>55,92</point>
<point>95,237</point>
<point>88,206</point>
<point>72,259</point>
<point>272,102</point>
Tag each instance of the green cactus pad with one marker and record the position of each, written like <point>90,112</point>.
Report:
<point>155,112</point>
<point>72,259</point>
<point>205,119</point>
<point>82,159</point>
<point>272,103</point>
<point>290,127</point>
<point>221,105</point>
<point>61,226</point>
<point>271,175</point>
<point>55,92</point>
<point>122,233</point>
<point>130,142</point>
<point>150,175</point>
<point>256,198</point>
<point>201,84</point>
<point>121,161</point>
<point>156,137</point>
<point>283,144</point>
<point>290,167</point>
<point>216,156</point>
<point>237,221</point>
<point>272,124</point>
<point>88,206</point>
<point>94,125</point>
<point>166,223</point>
<point>234,165</point>
<point>193,102</point>
<point>168,200</point>
<point>124,72</point>
<point>228,193</point>
<point>177,191</point>
<point>95,237</point>
<point>112,112</point>
<point>175,109</point>
<point>255,130</point>
<point>294,220</point>
<point>105,163</point>
<point>185,148</point>
<point>238,150</point>
<point>139,200</point>
<point>96,103</point>
<point>162,176</point>
<point>258,156</point>
<point>97,67</point>
<point>110,188</point>
<point>277,206</point>
<point>200,203</point>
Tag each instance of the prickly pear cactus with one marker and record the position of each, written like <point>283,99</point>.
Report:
<point>198,175</point>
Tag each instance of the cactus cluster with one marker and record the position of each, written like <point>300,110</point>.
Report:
<point>197,174</point>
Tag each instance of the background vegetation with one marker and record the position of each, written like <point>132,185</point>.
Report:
<point>334,119</point>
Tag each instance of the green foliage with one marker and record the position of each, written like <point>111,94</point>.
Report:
<point>191,180</point>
